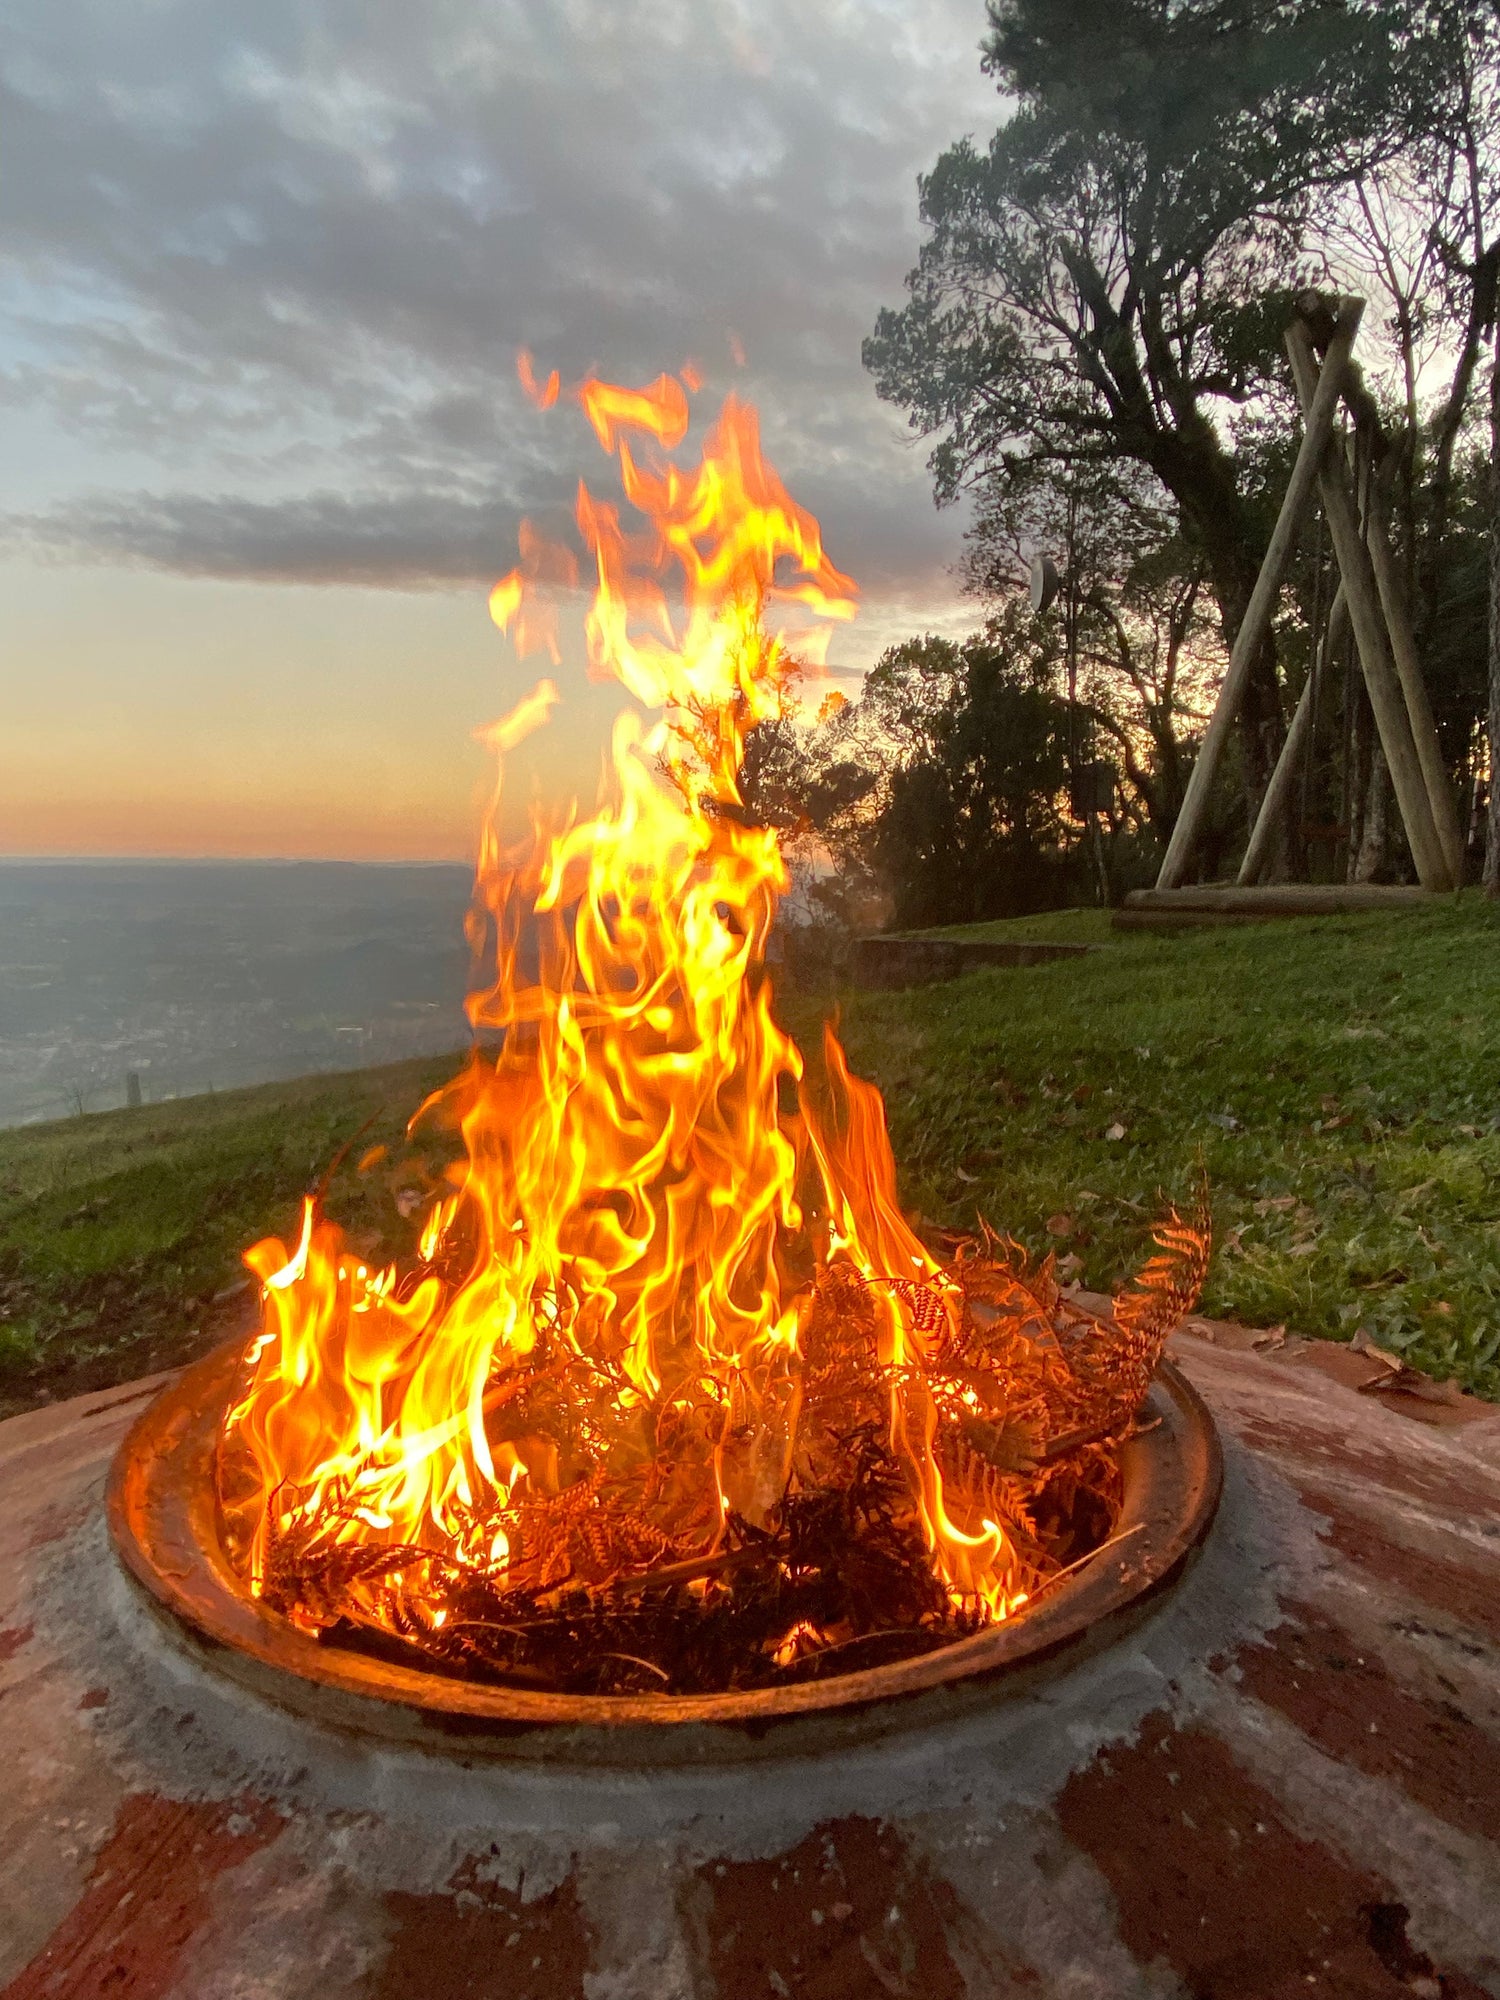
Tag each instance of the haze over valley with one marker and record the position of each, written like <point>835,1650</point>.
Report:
<point>202,976</point>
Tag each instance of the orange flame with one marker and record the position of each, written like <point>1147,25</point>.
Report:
<point>543,394</point>
<point>631,1187</point>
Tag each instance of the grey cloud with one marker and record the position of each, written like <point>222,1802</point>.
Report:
<point>399,543</point>
<point>290,251</point>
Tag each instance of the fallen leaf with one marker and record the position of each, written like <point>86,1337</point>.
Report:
<point>1406,1381</point>
<point>1241,1339</point>
<point>1069,1266</point>
<point>1059,1225</point>
<point>1225,1120</point>
<point>1115,1131</point>
<point>1362,1344</point>
<point>969,1180</point>
<point>1275,1204</point>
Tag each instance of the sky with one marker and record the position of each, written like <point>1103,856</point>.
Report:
<point>264,269</point>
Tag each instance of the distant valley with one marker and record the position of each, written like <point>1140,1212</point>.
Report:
<point>196,976</point>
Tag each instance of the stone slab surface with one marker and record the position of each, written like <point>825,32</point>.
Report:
<point>1286,1783</point>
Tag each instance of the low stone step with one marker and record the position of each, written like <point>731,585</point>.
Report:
<point>885,962</point>
<point>1226,900</point>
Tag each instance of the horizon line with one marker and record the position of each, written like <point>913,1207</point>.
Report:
<point>227,861</point>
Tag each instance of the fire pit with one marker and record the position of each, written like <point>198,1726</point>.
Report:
<point>669,1414</point>
<point>165,1526</point>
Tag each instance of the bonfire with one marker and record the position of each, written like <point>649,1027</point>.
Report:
<point>670,1396</point>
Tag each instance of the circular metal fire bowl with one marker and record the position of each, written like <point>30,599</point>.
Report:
<point>164,1520</point>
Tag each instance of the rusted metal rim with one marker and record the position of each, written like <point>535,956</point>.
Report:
<point>163,1519</point>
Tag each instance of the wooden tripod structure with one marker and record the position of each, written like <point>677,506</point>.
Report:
<point>1369,600</point>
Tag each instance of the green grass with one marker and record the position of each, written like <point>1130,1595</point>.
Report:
<point>121,1233</point>
<point>1339,1078</point>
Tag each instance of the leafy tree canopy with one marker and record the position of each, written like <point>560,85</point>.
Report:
<point>1114,267</point>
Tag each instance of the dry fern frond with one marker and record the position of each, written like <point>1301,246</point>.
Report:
<point>618,1567</point>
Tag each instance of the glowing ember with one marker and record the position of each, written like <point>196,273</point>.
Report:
<point>672,1394</point>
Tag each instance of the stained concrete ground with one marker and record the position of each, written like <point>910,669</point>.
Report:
<point>1287,1782</point>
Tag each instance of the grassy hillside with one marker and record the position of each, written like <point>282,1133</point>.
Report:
<point>121,1232</point>
<point>1339,1078</point>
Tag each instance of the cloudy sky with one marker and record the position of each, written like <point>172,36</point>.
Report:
<point>264,268</point>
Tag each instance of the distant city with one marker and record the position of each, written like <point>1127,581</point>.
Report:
<point>197,976</point>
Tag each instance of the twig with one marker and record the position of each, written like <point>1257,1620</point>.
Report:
<point>1058,1575</point>
<point>686,1571</point>
<point>664,1677</point>
<point>514,1383</point>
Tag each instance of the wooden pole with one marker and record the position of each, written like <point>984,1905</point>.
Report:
<point>1329,634</point>
<point>1289,762</point>
<point>1274,798</point>
<point>1414,688</point>
<point>1370,636</point>
<point>1319,409</point>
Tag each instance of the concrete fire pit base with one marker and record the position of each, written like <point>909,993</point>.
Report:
<point>1286,1781</point>
<point>164,1521</point>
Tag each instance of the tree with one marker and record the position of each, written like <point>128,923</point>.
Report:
<point>1132,613</point>
<point>946,784</point>
<point>1463,132</point>
<point>1106,283</point>
<point>1422,240</point>
<point>1492,842</point>
<point>977,828</point>
<point>1455,130</point>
